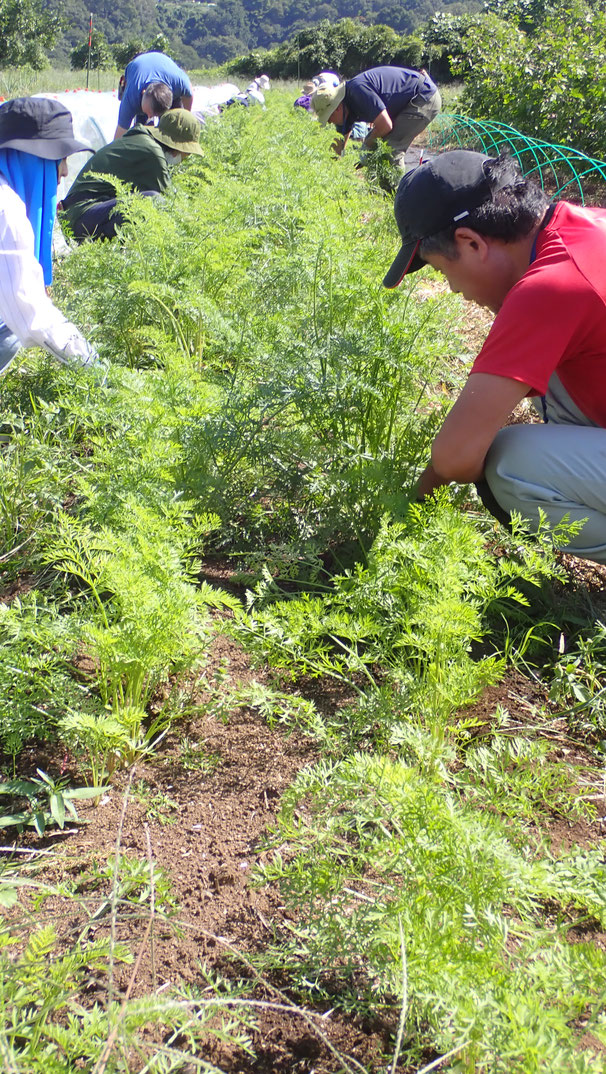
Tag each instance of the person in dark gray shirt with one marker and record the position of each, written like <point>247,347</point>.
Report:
<point>397,101</point>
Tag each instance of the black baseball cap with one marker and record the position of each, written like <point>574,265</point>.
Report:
<point>440,192</point>
<point>39,126</point>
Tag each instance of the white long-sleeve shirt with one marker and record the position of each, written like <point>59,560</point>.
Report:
<point>24,304</point>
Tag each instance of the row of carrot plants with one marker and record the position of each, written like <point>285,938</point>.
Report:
<point>269,401</point>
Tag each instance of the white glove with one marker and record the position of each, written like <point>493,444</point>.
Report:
<point>79,352</point>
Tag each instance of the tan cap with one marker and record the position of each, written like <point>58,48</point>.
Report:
<point>325,99</point>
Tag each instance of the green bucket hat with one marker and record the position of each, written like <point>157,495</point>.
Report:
<point>178,130</point>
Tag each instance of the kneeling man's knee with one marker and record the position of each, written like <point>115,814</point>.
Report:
<point>506,466</point>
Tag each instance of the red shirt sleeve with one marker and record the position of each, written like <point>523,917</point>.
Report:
<point>543,321</point>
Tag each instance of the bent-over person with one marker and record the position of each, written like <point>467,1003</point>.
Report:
<point>541,268</point>
<point>152,84</point>
<point>142,159</point>
<point>398,102</point>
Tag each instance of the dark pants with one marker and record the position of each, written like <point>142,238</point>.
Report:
<point>101,220</point>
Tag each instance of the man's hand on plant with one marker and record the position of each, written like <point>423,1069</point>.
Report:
<point>338,146</point>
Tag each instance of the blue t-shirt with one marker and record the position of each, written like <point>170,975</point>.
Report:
<point>389,88</point>
<point>146,68</point>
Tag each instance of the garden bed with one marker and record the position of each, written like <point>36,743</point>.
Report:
<point>209,808</point>
<point>342,751</point>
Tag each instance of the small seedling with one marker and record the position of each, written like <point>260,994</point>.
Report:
<point>47,802</point>
<point>195,757</point>
<point>158,806</point>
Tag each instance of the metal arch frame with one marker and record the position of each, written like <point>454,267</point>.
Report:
<point>544,155</point>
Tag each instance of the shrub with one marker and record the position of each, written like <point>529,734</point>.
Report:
<point>346,46</point>
<point>547,82</point>
<point>101,56</point>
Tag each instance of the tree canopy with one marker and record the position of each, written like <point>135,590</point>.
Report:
<point>28,29</point>
<point>212,32</point>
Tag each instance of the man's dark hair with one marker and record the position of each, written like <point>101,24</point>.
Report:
<point>161,97</point>
<point>510,215</point>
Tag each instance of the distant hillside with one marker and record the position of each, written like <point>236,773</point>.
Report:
<point>200,33</point>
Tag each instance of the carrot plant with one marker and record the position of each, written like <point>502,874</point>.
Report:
<point>267,398</point>
<point>36,686</point>
<point>578,684</point>
<point>147,620</point>
<point>412,614</point>
<point>393,874</point>
<point>34,477</point>
<point>243,284</point>
<point>45,1026</point>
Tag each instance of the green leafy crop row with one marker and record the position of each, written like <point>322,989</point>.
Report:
<point>269,400</point>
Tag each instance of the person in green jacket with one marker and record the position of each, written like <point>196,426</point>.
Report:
<point>141,158</point>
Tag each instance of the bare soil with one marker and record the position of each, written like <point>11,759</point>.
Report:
<point>207,841</point>
<point>206,830</point>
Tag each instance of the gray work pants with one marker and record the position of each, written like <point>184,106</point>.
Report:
<point>417,115</point>
<point>9,346</point>
<point>559,467</point>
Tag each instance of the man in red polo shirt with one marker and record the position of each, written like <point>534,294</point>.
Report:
<point>541,269</point>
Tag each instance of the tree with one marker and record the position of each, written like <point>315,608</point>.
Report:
<point>27,30</point>
<point>101,56</point>
<point>125,52</point>
<point>347,46</point>
<point>213,31</point>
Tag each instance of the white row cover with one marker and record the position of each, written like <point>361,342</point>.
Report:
<point>208,98</point>
<point>95,117</point>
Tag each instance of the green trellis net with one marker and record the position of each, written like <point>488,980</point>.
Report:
<point>562,171</point>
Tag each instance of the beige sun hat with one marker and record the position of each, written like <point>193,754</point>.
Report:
<point>179,130</point>
<point>325,99</point>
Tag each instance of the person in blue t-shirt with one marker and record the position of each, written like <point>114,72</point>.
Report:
<point>397,101</point>
<point>152,84</point>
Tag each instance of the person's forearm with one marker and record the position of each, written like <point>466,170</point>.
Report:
<point>428,482</point>
<point>26,308</point>
<point>381,127</point>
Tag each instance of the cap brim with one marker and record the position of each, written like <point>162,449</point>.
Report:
<point>336,101</point>
<point>407,260</point>
<point>56,149</point>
